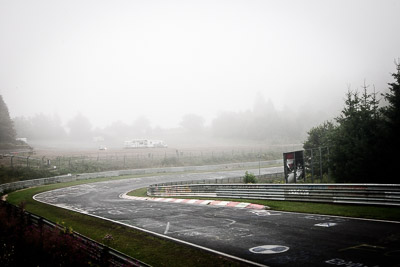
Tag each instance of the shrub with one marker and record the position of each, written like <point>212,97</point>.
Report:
<point>250,178</point>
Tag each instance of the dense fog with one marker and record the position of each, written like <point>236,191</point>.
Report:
<point>263,124</point>
<point>202,72</point>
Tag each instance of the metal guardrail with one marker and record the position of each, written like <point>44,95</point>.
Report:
<point>9,187</point>
<point>369,194</point>
<point>93,249</point>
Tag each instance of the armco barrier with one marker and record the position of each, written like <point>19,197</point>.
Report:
<point>69,178</point>
<point>372,194</point>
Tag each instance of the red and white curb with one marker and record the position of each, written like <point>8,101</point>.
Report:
<point>198,202</point>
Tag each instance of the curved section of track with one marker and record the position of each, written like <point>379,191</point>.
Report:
<point>259,237</point>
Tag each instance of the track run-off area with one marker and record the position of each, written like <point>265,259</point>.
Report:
<point>254,236</point>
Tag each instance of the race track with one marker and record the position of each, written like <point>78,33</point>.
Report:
<point>260,237</point>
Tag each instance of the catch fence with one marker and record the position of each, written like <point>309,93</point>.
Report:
<point>134,159</point>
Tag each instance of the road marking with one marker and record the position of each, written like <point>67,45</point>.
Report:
<point>193,229</point>
<point>341,262</point>
<point>269,249</point>
<point>231,222</point>
<point>166,229</point>
<point>326,224</point>
<point>365,247</point>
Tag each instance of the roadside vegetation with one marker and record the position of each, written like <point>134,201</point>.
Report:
<point>249,178</point>
<point>22,244</point>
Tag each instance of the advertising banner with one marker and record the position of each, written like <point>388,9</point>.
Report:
<point>293,163</point>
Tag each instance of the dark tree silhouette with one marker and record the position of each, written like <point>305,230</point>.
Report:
<point>7,131</point>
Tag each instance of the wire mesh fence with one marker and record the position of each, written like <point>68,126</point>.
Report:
<point>317,165</point>
<point>131,159</point>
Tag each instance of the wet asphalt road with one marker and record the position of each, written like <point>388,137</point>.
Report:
<point>263,237</point>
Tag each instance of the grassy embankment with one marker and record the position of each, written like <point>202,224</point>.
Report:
<point>346,210</point>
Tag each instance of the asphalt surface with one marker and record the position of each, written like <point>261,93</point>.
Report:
<point>262,237</point>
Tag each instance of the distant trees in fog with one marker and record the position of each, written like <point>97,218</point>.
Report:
<point>192,123</point>
<point>263,123</point>
<point>80,128</point>
<point>40,127</point>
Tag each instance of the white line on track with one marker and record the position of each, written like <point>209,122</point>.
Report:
<point>166,229</point>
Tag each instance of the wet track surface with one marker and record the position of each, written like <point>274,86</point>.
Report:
<point>264,237</point>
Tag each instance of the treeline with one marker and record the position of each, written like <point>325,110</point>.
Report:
<point>43,127</point>
<point>262,123</point>
<point>265,123</point>
<point>363,141</point>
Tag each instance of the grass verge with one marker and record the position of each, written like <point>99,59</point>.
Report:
<point>145,247</point>
<point>346,210</point>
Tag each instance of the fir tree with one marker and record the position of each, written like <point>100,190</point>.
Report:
<point>7,131</point>
<point>355,150</point>
<point>391,127</point>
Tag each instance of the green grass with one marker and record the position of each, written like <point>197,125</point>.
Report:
<point>346,210</point>
<point>142,246</point>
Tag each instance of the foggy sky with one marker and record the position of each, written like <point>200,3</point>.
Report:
<point>120,60</point>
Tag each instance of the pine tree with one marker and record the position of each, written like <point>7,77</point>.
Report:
<point>319,136</point>
<point>355,146</point>
<point>391,127</point>
<point>392,111</point>
<point>7,131</point>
